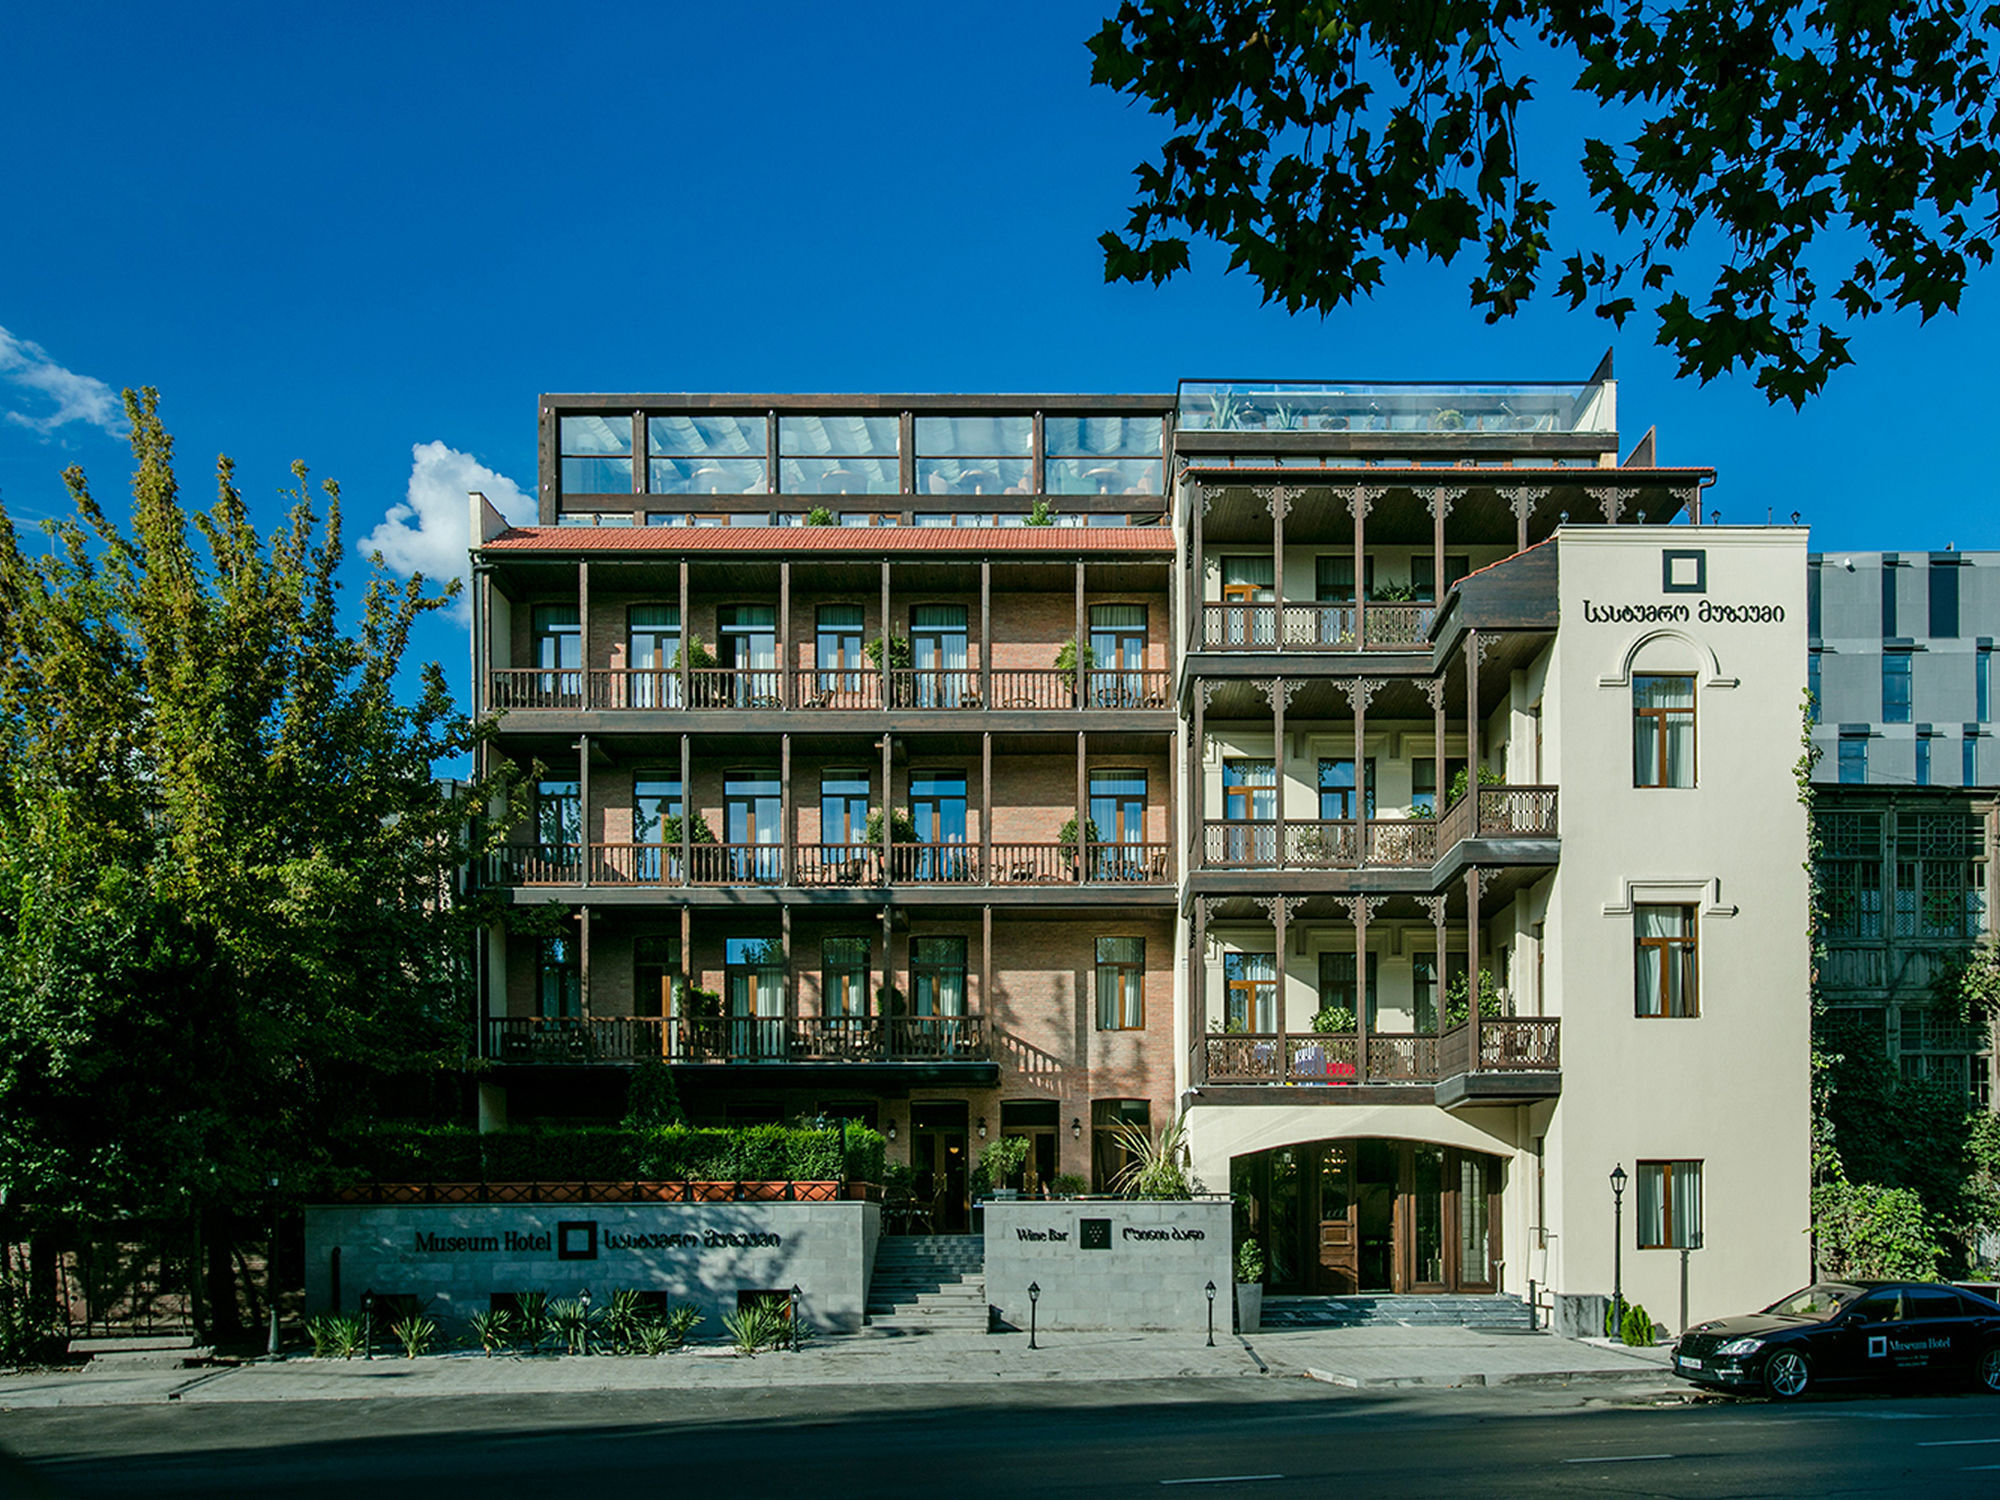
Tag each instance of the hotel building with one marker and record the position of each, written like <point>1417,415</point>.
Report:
<point>1393,781</point>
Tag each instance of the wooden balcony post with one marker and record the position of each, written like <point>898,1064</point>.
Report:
<point>686,656</point>
<point>791,979</point>
<point>1440,499</point>
<point>1436,906</point>
<point>1435,691</point>
<point>888,814</point>
<point>1360,500</point>
<point>1360,691</point>
<point>985,633</point>
<point>986,960</point>
<point>687,806</point>
<point>688,972</point>
<point>787,813</point>
<point>1082,808</point>
<point>583,804</point>
<point>583,961</point>
<point>1475,648</point>
<point>888,637</point>
<point>1197,588</point>
<point>1198,981</point>
<point>1279,910</point>
<point>1279,691</point>
<point>1082,639</point>
<point>1198,780</point>
<point>1279,500</point>
<point>1361,907</point>
<point>1472,960</point>
<point>583,633</point>
<point>986,809</point>
<point>785,653</point>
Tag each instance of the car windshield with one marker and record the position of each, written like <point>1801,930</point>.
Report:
<point>1813,1302</point>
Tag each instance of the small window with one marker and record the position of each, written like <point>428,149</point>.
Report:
<point>1663,731</point>
<point>596,455</point>
<point>1982,686</point>
<point>1664,961</point>
<point>558,980</point>
<point>707,454</point>
<point>840,455</point>
<point>1888,599</point>
<point>844,977</point>
<point>1250,986</point>
<point>1669,1205</point>
<point>1121,984</point>
<point>1853,759</point>
<point>1109,1156</point>
<point>1896,687</point>
<point>1968,771</point>
<point>1944,600</point>
<point>1924,759</point>
<point>1812,683</point>
<point>937,974</point>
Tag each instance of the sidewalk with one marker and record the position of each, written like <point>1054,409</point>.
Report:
<point>1356,1357</point>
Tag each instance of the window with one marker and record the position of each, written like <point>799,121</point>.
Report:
<point>754,976</point>
<point>1423,576</point>
<point>1850,873</point>
<point>1246,586</point>
<point>1669,1205</point>
<point>1940,876</point>
<point>1108,1155</point>
<point>656,974</point>
<point>1982,687</point>
<point>937,808</point>
<point>1664,961</point>
<point>975,455</point>
<point>1117,655</point>
<point>1249,798</point>
<point>559,821</point>
<point>1121,984</point>
<point>1333,578</point>
<point>1968,770</point>
<point>1336,983</point>
<point>653,655</point>
<point>1336,788</point>
<point>1944,600</point>
<point>844,671</point>
<point>843,972</point>
<point>707,455</point>
<point>1102,455</point>
<point>746,640</point>
<point>1853,759</point>
<point>751,804</point>
<point>596,455</point>
<point>1250,991</point>
<point>1896,687</point>
<point>557,643</point>
<point>656,825</point>
<point>1118,809</point>
<point>1888,598</point>
<point>1424,782</point>
<point>1663,731</point>
<point>1812,600</point>
<point>1812,682</point>
<point>843,816</point>
<point>937,974</point>
<point>1924,758</point>
<point>558,980</point>
<point>840,455</point>
<point>937,652</point>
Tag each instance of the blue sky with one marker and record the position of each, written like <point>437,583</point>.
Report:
<point>344,234</point>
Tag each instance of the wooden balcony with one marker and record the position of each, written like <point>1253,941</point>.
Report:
<point>1393,843</point>
<point>624,1040</point>
<point>1316,627</point>
<point>808,690</point>
<point>822,865</point>
<point>1520,1057</point>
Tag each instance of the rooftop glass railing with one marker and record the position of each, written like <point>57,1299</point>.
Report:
<point>1292,406</point>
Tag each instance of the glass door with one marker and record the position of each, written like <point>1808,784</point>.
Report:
<point>747,645</point>
<point>750,808</point>
<point>1118,655</point>
<point>653,655</point>
<point>1118,810</point>
<point>558,647</point>
<point>1339,1262</point>
<point>656,832</point>
<point>843,826</point>
<point>755,975</point>
<point>1249,812</point>
<point>937,807</point>
<point>841,668</point>
<point>937,652</point>
<point>1249,598</point>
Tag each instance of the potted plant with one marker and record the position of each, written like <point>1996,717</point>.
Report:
<point>819,515</point>
<point>901,683</point>
<point>1000,1161</point>
<point>1249,1286</point>
<point>1075,664</point>
<point>1334,1020</point>
<point>1066,839</point>
<point>1043,514</point>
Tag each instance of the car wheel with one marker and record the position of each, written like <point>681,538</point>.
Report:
<point>1989,1369</point>
<point>1786,1375</point>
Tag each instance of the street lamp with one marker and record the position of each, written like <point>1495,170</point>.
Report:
<point>271,1270</point>
<point>1211,1315</point>
<point>796,1293</point>
<point>1034,1296</point>
<point>583,1330</point>
<point>1618,1250</point>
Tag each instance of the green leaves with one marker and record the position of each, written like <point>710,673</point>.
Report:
<point>1316,138</point>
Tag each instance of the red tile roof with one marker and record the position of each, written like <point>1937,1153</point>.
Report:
<point>1155,541</point>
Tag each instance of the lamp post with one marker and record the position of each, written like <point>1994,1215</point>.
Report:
<point>583,1326</point>
<point>368,1325</point>
<point>1034,1297</point>
<point>1618,1250</point>
<point>1693,1242</point>
<point>1211,1315</point>
<point>271,1271</point>
<point>796,1293</point>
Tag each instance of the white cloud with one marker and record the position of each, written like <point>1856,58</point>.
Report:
<point>431,530</point>
<point>77,398</point>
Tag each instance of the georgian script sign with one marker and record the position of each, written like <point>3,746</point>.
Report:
<point>542,1242</point>
<point>1707,612</point>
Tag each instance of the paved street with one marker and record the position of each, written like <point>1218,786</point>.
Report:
<point>1273,1437</point>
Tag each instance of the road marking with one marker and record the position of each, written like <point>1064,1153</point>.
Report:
<point>1223,1479</point>
<point>1961,1443</point>
<point>1621,1458</point>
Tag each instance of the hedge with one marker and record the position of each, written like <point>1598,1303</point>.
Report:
<point>755,1153</point>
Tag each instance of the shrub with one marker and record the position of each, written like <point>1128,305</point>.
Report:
<point>1000,1160</point>
<point>819,515</point>
<point>334,1336</point>
<point>698,830</point>
<point>416,1334</point>
<point>902,828</point>
<point>1069,1184</point>
<point>1874,1233</point>
<point>698,655</point>
<point>531,1319</point>
<point>570,1320</point>
<point>1249,1262</point>
<point>1066,836</point>
<point>656,1339</point>
<point>651,1098</point>
<point>492,1329</point>
<point>681,1320</point>
<point>761,1325</point>
<point>1153,1168</point>
<point>1637,1331</point>
<point>623,1318</point>
<point>1044,514</point>
<point>1334,1020</point>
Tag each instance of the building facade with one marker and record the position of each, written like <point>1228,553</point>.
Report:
<point>1386,780</point>
<point>1901,662</point>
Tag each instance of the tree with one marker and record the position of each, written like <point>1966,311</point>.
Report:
<point>228,916</point>
<point>1815,164</point>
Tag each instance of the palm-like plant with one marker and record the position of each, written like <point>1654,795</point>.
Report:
<point>1154,1168</point>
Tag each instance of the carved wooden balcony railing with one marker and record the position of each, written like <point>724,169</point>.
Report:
<point>1508,1044</point>
<point>576,1041</point>
<point>1315,627</point>
<point>1393,843</point>
<point>954,864</point>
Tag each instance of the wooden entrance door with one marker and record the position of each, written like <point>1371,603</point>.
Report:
<point>1338,1266</point>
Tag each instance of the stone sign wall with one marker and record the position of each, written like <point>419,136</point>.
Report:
<point>457,1256</point>
<point>1109,1264</point>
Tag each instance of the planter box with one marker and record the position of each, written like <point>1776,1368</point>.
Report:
<point>1249,1306</point>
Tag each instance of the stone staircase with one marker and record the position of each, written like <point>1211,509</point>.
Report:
<point>928,1283</point>
<point>1495,1313</point>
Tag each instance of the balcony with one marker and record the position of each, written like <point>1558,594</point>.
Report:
<point>625,1040</point>
<point>1316,627</point>
<point>1519,1058</point>
<point>824,865</point>
<point>951,690</point>
<point>1527,812</point>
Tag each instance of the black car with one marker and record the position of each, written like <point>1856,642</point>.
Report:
<point>1841,1331</point>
